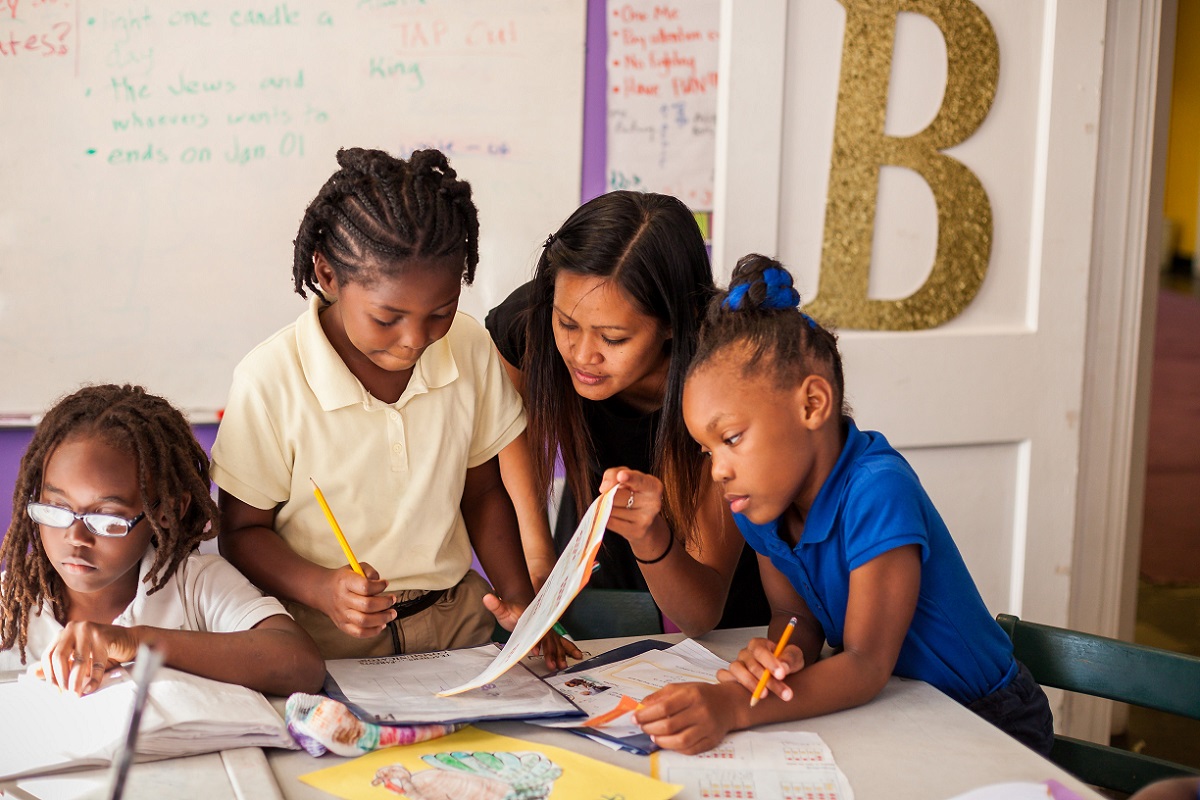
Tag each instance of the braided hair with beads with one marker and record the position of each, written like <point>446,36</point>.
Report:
<point>172,469</point>
<point>377,211</point>
<point>761,312</point>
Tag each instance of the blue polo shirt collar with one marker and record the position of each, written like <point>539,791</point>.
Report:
<point>821,517</point>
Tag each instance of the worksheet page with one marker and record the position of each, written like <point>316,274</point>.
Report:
<point>404,689</point>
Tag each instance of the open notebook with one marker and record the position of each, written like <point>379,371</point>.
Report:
<point>47,731</point>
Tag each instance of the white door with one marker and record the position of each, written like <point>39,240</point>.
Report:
<point>986,405</point>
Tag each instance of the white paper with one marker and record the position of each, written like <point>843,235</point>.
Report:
<point>662,97</point>
<point>765,766</point>
<point>45,729</point>
<point>599,691</point>
<point>569,575</point>
<point>1018,790</point>
<point>406,689</point>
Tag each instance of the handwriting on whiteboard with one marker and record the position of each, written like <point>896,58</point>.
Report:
<point>662,101</point>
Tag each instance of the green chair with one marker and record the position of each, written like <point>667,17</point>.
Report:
<point>608,613</point>
<point>1101,667</point>
<point>605,614</point>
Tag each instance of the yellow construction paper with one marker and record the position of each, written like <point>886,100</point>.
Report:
<point>491,767</point>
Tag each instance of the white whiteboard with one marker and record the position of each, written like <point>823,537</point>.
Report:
<point>157,158</point>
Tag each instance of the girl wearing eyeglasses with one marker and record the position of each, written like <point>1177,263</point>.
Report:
<point>111,502</point>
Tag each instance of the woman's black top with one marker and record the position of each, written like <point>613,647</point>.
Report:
<point>622,437</point>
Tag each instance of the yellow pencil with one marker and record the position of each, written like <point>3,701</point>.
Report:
<point>762,682</point>
<point>337,530</point>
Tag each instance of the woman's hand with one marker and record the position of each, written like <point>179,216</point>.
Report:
<point>553,647</point>
<point>83,652</point>
<point>758,655</point>
<point>355,603</point>
<point>636,512</point>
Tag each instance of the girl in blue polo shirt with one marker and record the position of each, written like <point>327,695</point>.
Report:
<point>849,543</point>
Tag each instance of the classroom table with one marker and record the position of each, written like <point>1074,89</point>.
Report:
<point>910,743</point>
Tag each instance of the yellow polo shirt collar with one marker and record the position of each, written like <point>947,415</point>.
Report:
<point>335,385</point>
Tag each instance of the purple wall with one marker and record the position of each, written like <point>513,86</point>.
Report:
<point>14,441</point>
<point>595,103</point>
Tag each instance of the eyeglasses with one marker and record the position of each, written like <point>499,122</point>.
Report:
<point>99,524</point>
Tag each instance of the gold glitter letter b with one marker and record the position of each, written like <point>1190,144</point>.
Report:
<point>860,148</point>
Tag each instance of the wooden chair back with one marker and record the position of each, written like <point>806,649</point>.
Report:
<point>1102,667</point>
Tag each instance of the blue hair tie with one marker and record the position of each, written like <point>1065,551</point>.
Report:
<point>733,300</point>
<point>812,323</point>
<point>780,293</point>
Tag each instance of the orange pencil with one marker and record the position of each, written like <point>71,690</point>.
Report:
<point>762,682</point>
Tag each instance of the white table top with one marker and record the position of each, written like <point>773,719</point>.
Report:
<point>910,743</point>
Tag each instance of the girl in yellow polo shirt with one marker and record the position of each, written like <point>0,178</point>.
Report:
<point>397,406</point>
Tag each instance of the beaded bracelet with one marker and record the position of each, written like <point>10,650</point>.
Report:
<point>670,544</point>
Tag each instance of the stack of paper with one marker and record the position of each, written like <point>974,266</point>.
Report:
<point>610,688</point>
<point>404,689</point>
<point>46,730</point>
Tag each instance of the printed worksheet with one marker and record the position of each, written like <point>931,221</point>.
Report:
<point>610,694</point>
<point>404,689</point>
<point>752,765</point>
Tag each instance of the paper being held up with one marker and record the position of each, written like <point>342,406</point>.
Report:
<point>569,575</point>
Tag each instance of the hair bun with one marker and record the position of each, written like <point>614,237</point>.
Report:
<point>760,283</point>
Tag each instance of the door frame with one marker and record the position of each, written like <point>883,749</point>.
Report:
<point>1120,231</point>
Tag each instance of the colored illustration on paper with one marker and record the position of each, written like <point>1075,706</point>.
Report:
<point>475,764</point>
<point>479,775</point>
<point>587,686</point>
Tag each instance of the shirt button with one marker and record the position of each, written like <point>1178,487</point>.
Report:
<point>397,448</point>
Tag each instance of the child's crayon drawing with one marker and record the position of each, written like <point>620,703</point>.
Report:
<point>474,764</point>
<point>479,775</point>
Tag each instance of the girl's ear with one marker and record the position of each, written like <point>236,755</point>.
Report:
<point>814,397</point>
<point>163,511</point>
<point>326,278</point>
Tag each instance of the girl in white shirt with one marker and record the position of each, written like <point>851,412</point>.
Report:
<point>111,501</point>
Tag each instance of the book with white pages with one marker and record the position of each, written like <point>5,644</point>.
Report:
<point>46,730</point>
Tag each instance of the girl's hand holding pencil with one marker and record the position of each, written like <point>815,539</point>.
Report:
<point>356,603</point>
<point>694,717</point>
<point>762,666</point>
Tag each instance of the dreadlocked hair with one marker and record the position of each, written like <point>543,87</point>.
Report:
<point>172,470</point>
<point>649,246</point>
<point>377,211</point>
<point>761,313</point>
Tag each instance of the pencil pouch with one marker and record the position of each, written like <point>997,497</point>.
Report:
<point>321,724</point>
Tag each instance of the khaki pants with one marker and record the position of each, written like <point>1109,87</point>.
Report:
<point>458,619</point>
